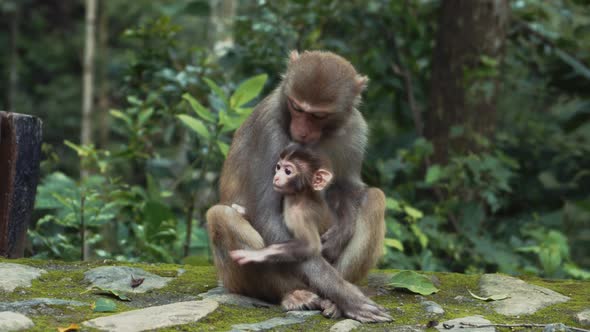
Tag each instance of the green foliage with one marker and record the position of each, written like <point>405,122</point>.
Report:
<point>138,202</point>
<point>519,204</point>
<point>413,282</point>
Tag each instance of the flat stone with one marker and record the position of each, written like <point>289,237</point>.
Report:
<point>303,313</point>
<point>119,278</point>
<point>155,317</point>
<point>432,307</point>
<point>37,306</point>
<point>525,299</point>
<point>17,275</point>
<point>583,317</point>
<point>270,323</point>
<point>454,325</point>
<point>13,321</point>
<point>345,325</point>
<point>220,295</point>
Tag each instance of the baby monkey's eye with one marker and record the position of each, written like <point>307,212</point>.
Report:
<point>287,171</point>
<point>278,167</point>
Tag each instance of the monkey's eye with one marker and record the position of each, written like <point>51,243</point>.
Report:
<point>295,107</point>
<point>287,171</point>
<point>319,116</point>
<point>278,167</point>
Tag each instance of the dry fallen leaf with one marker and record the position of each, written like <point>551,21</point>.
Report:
<point>136,282</point>
<point>71,328</point>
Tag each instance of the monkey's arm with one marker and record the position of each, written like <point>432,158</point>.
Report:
<point>290,251</point>
<point>344,199</point>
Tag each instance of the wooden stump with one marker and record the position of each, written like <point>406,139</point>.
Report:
<point>20,152</point>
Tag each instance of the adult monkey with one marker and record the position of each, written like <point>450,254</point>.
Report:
<point>315,105</point>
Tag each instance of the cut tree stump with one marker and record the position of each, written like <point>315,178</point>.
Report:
<point>20,152</point>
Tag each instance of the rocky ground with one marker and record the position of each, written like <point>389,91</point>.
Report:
<point>47,295</point>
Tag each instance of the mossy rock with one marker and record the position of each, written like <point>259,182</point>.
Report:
<point>65,281</point>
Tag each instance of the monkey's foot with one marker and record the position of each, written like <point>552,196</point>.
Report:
<point>329,309</point>
<point>301,300</point>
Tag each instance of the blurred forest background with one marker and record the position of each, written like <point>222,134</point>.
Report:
<point>479,114</point>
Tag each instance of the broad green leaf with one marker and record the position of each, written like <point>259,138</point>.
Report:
<point>413,282</point>
<point>111,292</point>
<point>218,91</point>
<point>223,147</point>
<point>393,243</point>
<point>201,110</point>
<point>104,305</point>
<point>495,297</point>
<point>196,125</point>
<point>78,148</point>
<point>243,110</point>
<point>422,238</point>
<point>133,100</point>
<point>488,61</point>
<point>144,116</point>
<point>433,174</point>
<point>415,214</point>
<point>230,123</point>
<point>392,204</point>
<point>247,91</point>
<point>120,115</point>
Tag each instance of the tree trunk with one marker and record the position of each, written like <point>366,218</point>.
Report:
<point>13,75</point>
<point>87,100</point>
<point>103,94</point>
<point>464,83</point>
<point>220,32</point>
<point>88,76</point>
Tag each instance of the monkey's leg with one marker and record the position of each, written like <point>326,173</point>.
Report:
<point>366,246</point>
<point>228,231</point>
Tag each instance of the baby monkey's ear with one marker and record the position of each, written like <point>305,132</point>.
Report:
<point>321,179</point>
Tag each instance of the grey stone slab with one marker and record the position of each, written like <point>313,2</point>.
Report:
<point>432,307</point>
<point>119,278</point>
<point>303,313</point>
<point>292,317</point>
<point>345,325</point>
<point>268,324</point>
<point>37,306</point>
<point>155,317</point>
<point>583,317</point>
<point>17,275</point>
<point>220,295</point>
<point>525,299</point>
<point>13,321</point>
<point>454,325</point>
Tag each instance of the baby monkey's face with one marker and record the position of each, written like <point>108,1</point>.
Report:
<point>285,175</point>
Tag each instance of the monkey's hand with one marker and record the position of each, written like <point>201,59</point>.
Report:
<point>241,210</point>
<point>248,256</point>
<point>333,242</point>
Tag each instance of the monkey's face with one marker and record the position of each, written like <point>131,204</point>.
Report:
<point>321,89</point>
<point>307,123</point>
<point>286,174</point>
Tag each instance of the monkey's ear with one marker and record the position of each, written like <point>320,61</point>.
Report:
<point>361,83</point>
<point>293,56</point>
<point>321,179</point>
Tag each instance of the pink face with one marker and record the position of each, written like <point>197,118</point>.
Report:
<point>284,172</point>
<point>306,122</point>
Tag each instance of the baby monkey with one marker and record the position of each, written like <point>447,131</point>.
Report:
<point>300,175</point>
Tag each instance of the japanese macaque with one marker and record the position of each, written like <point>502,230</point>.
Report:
<point>314,105</point>
<point>300,175</point>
